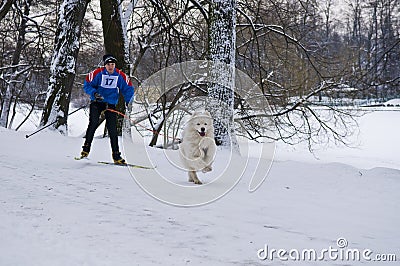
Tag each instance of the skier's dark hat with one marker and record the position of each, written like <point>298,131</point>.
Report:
<point>109,58</point>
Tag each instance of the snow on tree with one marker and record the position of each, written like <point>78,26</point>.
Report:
<point>15,71</point>
<point>63,64</point>
<point>5,6</point>
<point>222,38</point>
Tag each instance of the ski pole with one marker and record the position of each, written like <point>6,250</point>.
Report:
<point>132,121</point>
<point>40,129</point>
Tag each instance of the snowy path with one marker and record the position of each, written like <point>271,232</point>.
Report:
<point>58,211</point>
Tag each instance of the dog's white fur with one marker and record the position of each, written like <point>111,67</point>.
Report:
<point>197,150</point>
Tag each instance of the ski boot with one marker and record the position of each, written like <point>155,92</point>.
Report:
<point>117,158</point>
<point>85,150</point>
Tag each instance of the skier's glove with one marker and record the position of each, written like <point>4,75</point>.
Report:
<point>98,97</point>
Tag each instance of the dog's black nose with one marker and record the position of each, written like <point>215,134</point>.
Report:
<point>202,129</point>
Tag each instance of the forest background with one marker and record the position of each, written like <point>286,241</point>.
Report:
<point>303,54</point>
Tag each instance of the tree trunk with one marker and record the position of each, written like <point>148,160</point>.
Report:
<point>222,38</point>
<point>114,32</point>
<point>5,6</point>
<point>63,64</point>
<point>116,43</point>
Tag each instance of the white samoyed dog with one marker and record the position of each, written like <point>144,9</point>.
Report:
<point>197,150</point>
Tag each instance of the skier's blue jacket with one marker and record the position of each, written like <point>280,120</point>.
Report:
<point>108,85</point>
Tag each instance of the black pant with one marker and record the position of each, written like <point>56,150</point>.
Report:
<point>111,123</point>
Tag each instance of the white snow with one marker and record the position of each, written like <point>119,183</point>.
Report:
<point>58,211</point>
<point>392,102</point>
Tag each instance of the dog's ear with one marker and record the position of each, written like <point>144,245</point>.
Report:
<point>207,113</point>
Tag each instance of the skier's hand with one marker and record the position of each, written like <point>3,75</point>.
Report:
<point>98,97</point>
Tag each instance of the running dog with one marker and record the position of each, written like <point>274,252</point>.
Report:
<point>197,150</point>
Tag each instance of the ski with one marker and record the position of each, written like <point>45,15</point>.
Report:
<point>80,158</point>
<point>128,164</point>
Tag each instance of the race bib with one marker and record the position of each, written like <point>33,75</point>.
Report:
<point>109,82</point>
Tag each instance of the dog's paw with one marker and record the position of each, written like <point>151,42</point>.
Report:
<point>207,169</point>
<point>198,182</point>
<point>206,143</point>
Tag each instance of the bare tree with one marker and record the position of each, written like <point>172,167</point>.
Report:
<point>163,33</point>
<point>15,70</point>
<point>375,41</point>
<point>25,44</point>
<point>285,46</point>
<point>300,59</point>
<point>281,45</point>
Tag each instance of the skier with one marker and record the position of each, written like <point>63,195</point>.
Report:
<point>104,85</point>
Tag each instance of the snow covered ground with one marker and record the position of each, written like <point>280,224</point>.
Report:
<point>58,211</point>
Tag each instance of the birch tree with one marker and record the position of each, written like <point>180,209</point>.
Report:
<point>222,48</point>
<point>63,64</point>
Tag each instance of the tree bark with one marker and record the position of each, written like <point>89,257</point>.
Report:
<point>63,64</point>
<point>115,42</point>
<point>222,46</point>
<point>5,6</point>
